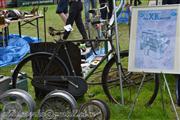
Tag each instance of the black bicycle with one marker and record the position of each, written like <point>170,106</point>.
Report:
<point>52,66</point>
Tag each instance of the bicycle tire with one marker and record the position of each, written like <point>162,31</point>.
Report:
<point>32,65</point>
<point>63,108</point>
<point>106,107</point>
<point>178,90</point>
<point>105,82</point>
<point>156,89</point>
<point>15,102</point>
<point>91,108</point>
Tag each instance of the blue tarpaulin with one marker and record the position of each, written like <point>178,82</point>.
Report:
<point>15,51</point>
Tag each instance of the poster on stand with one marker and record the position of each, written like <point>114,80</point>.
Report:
<point>155,39</point>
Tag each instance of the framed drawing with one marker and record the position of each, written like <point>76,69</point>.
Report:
<point>155,39</point>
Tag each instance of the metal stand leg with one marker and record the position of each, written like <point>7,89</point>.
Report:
<point>138,92</point>
<point>37,27</point>
<point>162,99</point>
<point>3,40</point>
<point>169,92</point>
<point>44,14</point>
<point>19,27</point>
<point>156,2</point>
<point>118,54</point>
<point>6,34</point>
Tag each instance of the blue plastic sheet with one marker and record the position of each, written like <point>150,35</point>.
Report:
<point>26,38</point>
<point>15,51</point>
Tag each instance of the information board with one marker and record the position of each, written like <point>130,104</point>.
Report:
<point>155,39</point>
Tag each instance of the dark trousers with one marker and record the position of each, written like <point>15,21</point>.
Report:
<point>75,15</point>
<point>136,2</point>
<point>171,2</point>
<point>104,12</point>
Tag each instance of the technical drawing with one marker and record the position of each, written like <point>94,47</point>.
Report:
<point>154,42</point>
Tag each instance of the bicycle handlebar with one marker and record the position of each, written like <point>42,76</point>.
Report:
<point>98,9</point>
<point>116,9</point>
<point>120,5</point>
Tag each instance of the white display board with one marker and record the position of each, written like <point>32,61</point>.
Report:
<point>155,39</point>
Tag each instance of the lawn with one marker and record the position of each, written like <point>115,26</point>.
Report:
<point>118,111</point>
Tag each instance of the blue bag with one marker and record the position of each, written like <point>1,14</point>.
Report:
<point>124,15</point>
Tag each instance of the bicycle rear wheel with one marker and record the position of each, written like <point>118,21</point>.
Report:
<point>178,90</point>
<point>111,82</point>
<point>38,64</point>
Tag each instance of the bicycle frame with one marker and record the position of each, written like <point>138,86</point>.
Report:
<point>116,51</point>
<point>112,51</point>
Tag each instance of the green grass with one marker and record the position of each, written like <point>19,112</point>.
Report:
<point>118,112</point>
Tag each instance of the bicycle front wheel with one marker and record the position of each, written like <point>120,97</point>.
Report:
<point>111,82</point>
<point>38,64</point>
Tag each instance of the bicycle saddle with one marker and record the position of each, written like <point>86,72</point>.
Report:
<point>52,31</point>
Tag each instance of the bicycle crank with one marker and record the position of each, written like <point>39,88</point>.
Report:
<point>75,85</point>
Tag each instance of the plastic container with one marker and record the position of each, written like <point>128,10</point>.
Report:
<point>22,83</point>
<point>4,83</point>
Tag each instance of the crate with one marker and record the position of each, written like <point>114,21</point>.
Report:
<point>22,83</point>
<point>4,83</point>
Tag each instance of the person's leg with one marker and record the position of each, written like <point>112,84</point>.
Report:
<point>139,2</point>
<point>103,11</point>
<point>79,22</point>
<point>177,1</point>
<point>110,2</point>
<point>131,1</point>
<point>63,17</point>
<point>94,3</point>
<point>86,10</point>
<point>62,10</point>
<point>71,18</point>
<point>135,2</point>
<point>67,15</point>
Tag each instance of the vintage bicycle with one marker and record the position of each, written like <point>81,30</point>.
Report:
<point>61,69</point>
<point>58,66</point>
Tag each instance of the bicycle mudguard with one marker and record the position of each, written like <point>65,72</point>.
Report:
<point>73,50</point>
<point>75,85</point>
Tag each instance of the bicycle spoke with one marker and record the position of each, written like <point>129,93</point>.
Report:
<point>111,83</point>
<point>96,115</point>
